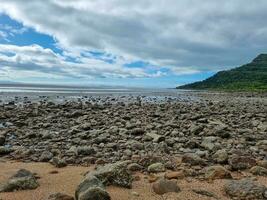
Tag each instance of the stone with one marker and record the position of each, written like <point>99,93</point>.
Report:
<point>205,193</point>
<point>58,162</point>
<point>85,151</point>
<point>163,186</point>
<point>221,156</point>
<point>196,129</point>
<point>155,137</point>
<point>5,150</point>
<point>46,156</point>
<point>258,171</point>
<point>115,174</point>
<point>91,188</point>
<point>60,196</point>
<point>217,172</point>
<point>134,167</point>
<point>2,140</point>
<point>174,175</point>
<point>263,163</point>
<point>156,167</point>
<point>22,180</point>
<point>239,162</point>
<point>245,189</point>
<point>193,159</point>
<point>209,143</point>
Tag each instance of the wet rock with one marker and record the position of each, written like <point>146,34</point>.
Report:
<point>245,189</point>
<point>217,172</point>
<point>114,174</point>
<point>163,186</point>
<point>156,167</point>
<point>22,180</point>
<point>60,196</point>
<point>91,188</point>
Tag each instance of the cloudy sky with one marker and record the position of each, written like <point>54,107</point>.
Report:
<point>153,43</point>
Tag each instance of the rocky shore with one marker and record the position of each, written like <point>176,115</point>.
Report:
<point>202,137</point>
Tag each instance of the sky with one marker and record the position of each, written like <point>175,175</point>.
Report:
<point>143,43</point>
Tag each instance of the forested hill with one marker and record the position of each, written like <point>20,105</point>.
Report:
<point>252,76</point>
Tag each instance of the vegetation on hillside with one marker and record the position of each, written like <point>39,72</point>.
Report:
<point>249,77</point>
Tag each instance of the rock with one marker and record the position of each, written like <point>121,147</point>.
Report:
<point>156,167</point>
<point>239,162</point>
<point>196,129</point>
<point>114,174</point>
<point>209,142</point>
<point>152,178</point>
<point>22,180</point>
<point>134,167</point>
<point>163,186</point>
<point>5,150</point>
<point>263,163</point>
<point>137,131</point>
<point>221,156</point>
<point>2,140</point>
<point>60,196</point>
<point>205,193</point>
<point>174,175</point>
<point>217,172</point>
<point>57,162</point>
<point>91,188</point>
<point>245,189</point>
<point>46,156</point>
<point>85,151</point>
<point>258,171</point>
<point>155,137</point>
<point>193,159</point>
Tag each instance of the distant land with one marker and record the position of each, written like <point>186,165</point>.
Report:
<point>249,77</point>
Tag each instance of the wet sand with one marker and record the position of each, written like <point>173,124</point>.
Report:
<point>67,179</point>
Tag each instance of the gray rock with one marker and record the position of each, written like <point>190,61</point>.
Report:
<point>58,162</point>
<point>22,180</point>
<point>60,196</point>
<point>221,156</point>
<point>156,167</point>
<point>5,150</point>
<point>239,162</point>
<point>258,171</point>
<point>245,189</point>
<point>163,186</point>
<point>2,140</point>
<point>46,156</point>
<point>114,174</point>
<point>193,159</point>
<point>91,188</point>
<point>85,151</point>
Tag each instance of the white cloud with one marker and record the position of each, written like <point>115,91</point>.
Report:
<point>37,61</point>
<point>185,35</point>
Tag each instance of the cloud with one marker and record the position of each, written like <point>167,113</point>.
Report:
<point>38,61</point>
<point>184,36</point>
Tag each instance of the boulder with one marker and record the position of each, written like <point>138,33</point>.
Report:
<point>91,188</point>
<point>22,180</point>
<point>217,172</point>
<point>156,167</point>
<point>114,174</point>
<point>163,186</point>
<point>245,189</point>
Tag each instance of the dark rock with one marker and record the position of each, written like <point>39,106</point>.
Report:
<point>163,186</point>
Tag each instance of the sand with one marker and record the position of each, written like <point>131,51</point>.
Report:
<point>67,179</point>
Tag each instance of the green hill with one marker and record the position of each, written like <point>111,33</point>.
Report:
<point>252,76</point>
